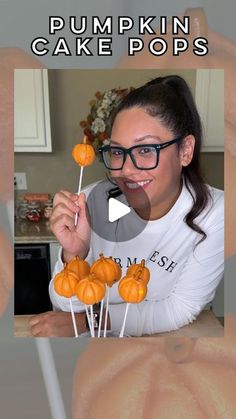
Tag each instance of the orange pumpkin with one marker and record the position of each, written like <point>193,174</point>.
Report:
<point>84,153</point>
<point>79,266</point>
<point>141,269</point>
<point>90,290</point>
<point>107,270</point>
<point>131,289</point>
<point>65,282</point>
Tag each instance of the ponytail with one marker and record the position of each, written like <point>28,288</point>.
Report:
<point>170,100</point>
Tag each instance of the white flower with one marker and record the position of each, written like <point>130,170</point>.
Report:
<point>106,142</point>
<point>106,102</point>
<point>100,112</point>
<point>98,125</point>
<point>108,94</point>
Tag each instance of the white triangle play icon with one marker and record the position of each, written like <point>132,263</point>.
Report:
<point>116,210</point>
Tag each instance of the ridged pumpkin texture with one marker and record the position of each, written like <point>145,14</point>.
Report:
<point>132,290</point>
<point>83,153</point>
<point>90,290</point>
<point>79,266</point>
<point>144,273</point>
<point>107,270</point>
<point>65,283</point>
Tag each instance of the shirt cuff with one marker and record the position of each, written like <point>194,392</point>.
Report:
<point>88,258</point>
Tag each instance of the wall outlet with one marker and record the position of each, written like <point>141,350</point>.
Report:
<point>20,181</point>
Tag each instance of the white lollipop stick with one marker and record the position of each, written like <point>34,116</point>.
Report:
<point>92,323</point>
<point>88,318</point>
<point>124,321</point>
<point>50,378</point>
<point>106,313</point>
<point>79,190</point>
<point>100,318</point>
<point>73,319</point>
<point>46,360</point>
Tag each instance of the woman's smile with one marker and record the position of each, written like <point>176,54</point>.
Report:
<point>136,185</point>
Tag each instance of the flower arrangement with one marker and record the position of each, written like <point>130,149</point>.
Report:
<point>97,125</point>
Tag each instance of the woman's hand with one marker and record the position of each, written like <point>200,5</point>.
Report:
<point>59,324</point>
<point>56,324</point>
<point>74,239</point>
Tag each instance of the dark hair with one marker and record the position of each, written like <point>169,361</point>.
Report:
<point>169,98</point>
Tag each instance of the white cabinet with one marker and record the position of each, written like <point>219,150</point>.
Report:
<point>209,98</point>
<point>31,111</point>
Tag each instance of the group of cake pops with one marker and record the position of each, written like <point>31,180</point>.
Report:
<point>91,284</point>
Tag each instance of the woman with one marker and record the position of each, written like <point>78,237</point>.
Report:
<point>153,159</point>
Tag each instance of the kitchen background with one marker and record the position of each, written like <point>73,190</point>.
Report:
<point>69,94</point>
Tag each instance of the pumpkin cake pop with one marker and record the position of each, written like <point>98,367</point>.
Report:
<point>84,155</point>
<point>90,290</point>
<point>133,289</point>
<point>80,266</point>
<point>64,284</point>
<point>140,267</point>
<point>109,272</point>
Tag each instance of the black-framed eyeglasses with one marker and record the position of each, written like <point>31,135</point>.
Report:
<point>143,156</point>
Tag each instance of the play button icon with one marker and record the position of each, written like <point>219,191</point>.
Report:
<point>116,210</point>
<point>113,215</point>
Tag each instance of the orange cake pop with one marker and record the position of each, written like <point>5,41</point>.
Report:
<point>64,284</point>
<point>79,266</point>
<point>140,267</point>
<point>84,155</point>
<point>107,270</point>
<point>133,288</point>
<point>90,290</point>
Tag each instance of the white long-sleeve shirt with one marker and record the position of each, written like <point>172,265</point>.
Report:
<point>183,278</point>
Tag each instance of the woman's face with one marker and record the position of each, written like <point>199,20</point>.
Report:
<point>162,184</point>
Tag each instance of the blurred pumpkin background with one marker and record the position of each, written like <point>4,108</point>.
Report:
<point>117,377</point>
<point>172,377</point>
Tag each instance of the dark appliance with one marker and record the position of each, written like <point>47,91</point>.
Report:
<point>32,276</point>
